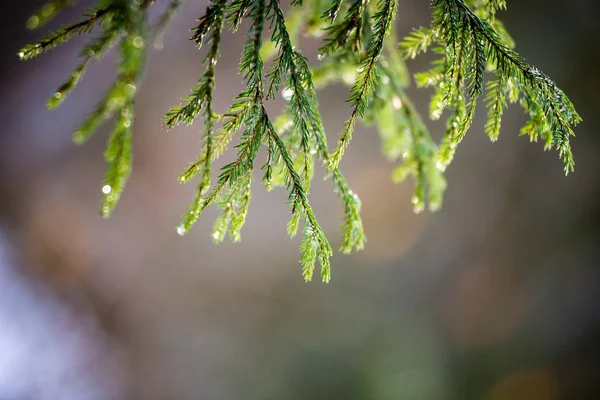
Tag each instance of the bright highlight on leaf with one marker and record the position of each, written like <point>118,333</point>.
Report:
<point>359,49</point>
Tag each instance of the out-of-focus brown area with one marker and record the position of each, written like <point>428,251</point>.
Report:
<point>495,297</point>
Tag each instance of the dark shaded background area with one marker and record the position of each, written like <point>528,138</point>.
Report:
<point>495,297</point>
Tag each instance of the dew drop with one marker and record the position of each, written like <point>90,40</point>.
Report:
<point>130,89</point>
<point>181,230</point>
<point>385,80</point>
<point>21,55</point>
<point>397,103</point>
<point>138,42</point>
<point>418,203</point>
<point>348,77</point>
<point>106,189</point>
<point>287,94</point>
<point>33,22</point>
<point>57,95</point>
<point>439,165</point>
<point>48,10</point>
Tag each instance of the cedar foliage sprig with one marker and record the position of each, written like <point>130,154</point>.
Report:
<point>209,30</point>
<point>362,91</point>
<point>470,44</point>
<point>47,12</point>
<point>64,34</point>
<point>118,20</point>
<point>359,49</point>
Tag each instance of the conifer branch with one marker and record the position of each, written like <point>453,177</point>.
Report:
<point>359,48</point>
<point>346,35</point>
<point>210,25</point>
<point>405,136</point>
<point>471,44</point>
<point>315,244</point>
<point>119,20</point>
<point>64,34</point>
<point>233,187</point>
<point>251,67</point>
<point>93,51</point>
<point>119,153</point>
<point>362,91</point>
<point>307,123</point>
<point>47,12</point>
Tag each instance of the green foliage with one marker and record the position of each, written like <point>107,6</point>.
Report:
<point>359,49</point>
<point>471,42</point>
<point>47,12</point>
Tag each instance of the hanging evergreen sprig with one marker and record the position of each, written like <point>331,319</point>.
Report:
<point>347,34</point>
<point>471,44</point>
<point>307,131</point>
<point>232,192</point>
<point>360,49</point>
<point>64,34</point>
<point>492,6</point>
<point>47,12</point>
<point>209,30</point>
<point>406,139</point>
<point>118,20</point>
<point>120,101</point>
<point>315,245</point>
<point>93,51</point>
<point>362,91</point>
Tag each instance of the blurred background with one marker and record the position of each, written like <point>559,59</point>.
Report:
<point>495,297</point>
